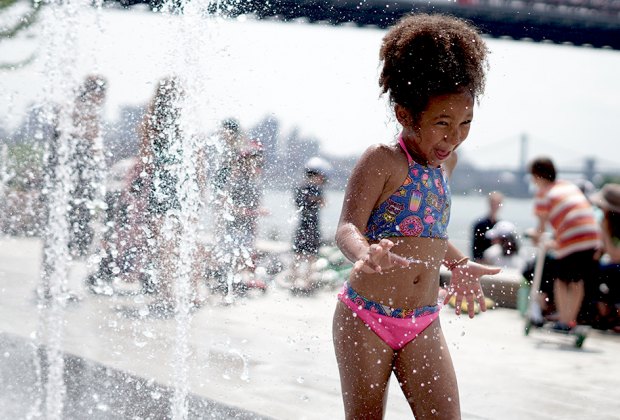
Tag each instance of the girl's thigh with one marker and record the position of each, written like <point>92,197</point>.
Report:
<point>426,375</point>
<point>364,363</point>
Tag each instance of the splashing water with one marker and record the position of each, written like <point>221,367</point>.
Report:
<point>195,25</point>
<point>417,261</point>
<point>181,226</point>
<point>59,62</point>
<point>5,176</point>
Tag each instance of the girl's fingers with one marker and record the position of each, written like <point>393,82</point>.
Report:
<point>386,244</point>
<point>402,261</point>
<point>367,264</point>
<point>470,305</point>
<point>458,302</point>
<point>482,302</point>
<point>492,270</point>
<point>375,251</point>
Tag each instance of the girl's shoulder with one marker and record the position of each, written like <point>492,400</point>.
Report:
<point>383,154</point>
<point>383,163</point>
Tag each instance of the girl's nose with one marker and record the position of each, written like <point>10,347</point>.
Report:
<point>453,138</point>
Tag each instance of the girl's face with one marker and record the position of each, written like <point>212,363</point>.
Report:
<point>441,128</point>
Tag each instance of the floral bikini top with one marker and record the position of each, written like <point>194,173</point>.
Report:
<point>420,207</point>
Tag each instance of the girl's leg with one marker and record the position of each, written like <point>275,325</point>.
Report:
<point>426,375</point>
<point>365,365</point>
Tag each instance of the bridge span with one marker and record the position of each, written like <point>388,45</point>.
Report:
<point>594,23</point>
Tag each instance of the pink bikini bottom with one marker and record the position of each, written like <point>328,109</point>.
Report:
<point>398,327</point>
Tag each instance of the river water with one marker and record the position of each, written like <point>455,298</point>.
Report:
<point>281,221</point>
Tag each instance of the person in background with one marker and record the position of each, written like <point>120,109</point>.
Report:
<point>230,140</point>
<point>394,222</point>
<point>309,199</point>
<point>562,206</point>
<point>246,192</point>
<point>76,146</point>
<point>504,251</point>
<point>87,162</point>
<point>236,194</point>
<point>480,242</point>
<point>162,139</point>
<point>607,295</point>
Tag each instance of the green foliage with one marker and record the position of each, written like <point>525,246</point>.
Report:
<point>24,164</point>
<point>6,3</point>
<point>24,22</point>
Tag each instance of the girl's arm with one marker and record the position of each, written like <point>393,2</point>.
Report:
<point>364,190</point>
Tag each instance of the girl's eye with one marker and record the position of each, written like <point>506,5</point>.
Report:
<point>466,122</point>
<point>444,123</point>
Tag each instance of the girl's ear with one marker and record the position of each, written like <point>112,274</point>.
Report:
<point>403,116</point>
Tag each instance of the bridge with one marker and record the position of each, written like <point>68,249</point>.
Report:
<point>594,23</point>
<point>571,163</point>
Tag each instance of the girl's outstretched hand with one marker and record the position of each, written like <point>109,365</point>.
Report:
<point>380,258</point>
<point>465,284</point>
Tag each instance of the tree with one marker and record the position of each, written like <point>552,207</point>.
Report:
<point>23,21</point>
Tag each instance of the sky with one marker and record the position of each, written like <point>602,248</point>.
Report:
<point>322,79</point>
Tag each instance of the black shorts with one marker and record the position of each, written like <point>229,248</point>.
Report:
<point>576,266</point>
<point>307,240</point>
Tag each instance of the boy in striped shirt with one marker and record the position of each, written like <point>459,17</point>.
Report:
<point>563,206</point>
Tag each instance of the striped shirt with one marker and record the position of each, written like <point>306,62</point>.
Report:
<point>571,216</point>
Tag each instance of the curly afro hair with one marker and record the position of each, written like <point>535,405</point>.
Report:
<point>429,55</point>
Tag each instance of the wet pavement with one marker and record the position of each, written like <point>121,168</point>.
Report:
<point>271,356</point>
<point>93,391</point>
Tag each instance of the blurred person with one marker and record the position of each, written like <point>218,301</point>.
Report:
<point>562,206</point>
<point>309,199</point>
<point>607,293</point>
<point>504,251</point>
<point>123,252</point>
<point>480,242</point>
<point>234,181</point>
<point>394,222</point>
<point>161,157</point>
<point>246,192</point>
<point>87,163</point>
<point>228,144</point>
<point>84,168</point>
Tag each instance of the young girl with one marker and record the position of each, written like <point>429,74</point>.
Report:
<point>393,225</point>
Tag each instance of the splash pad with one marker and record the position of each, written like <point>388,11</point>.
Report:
<point>51,383</point>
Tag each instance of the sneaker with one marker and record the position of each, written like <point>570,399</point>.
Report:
<point>538,323</point>
<point>560,326</point>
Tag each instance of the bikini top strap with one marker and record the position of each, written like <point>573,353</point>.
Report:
<point>402,145</point>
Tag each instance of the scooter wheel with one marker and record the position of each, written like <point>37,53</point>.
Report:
<point>579,341</point>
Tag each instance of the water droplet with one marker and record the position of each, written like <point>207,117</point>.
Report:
<point>102,407</point>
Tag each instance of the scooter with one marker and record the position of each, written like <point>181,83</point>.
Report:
<point>534,316</point>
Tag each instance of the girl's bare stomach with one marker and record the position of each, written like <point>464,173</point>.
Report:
<point>411,287</point>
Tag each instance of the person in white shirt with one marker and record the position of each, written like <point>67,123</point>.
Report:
<point>505,249</point>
